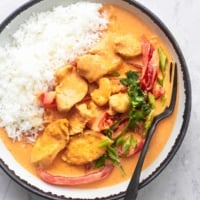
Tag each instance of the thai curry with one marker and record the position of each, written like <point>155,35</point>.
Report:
<point>101,107</point>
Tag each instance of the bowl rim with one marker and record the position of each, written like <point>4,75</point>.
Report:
<point>186,114</point>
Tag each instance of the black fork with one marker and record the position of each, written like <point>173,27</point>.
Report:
<point>132,190</point>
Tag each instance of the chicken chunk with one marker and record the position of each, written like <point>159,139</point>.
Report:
<point>71,90</point>
<point>77,122</point>
<point>62,72</point>
<point>93,114</point>
<point>127,46</point>
<point>119,102</point>
<point>79,117</point>
<point>87,110</point>
<point>101,95</point>
<point>94,66</point>
<point>100,61</point>
<point>50,143</point>
<point>85,148</point>
<point>117,86</point>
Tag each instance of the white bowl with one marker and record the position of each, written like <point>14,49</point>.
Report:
<point>34,184</point>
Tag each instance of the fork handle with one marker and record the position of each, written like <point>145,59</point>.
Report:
<point>132,190</point>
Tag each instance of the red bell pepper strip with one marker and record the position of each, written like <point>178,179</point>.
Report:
<point>48,99</point>
<point>151,65</point>
<point>71,181</point>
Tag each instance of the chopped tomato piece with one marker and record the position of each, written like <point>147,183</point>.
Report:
<point>102,121</point>
<point>106,121</point>
<point>71,181</point>
<point>48,99</point>
<point>158,91</point>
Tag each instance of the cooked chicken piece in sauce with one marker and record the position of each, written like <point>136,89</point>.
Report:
<point>77,122</point>
<point>100,61</point>
<point>85,148</point>
<point>127,46</point>
<point>96,114</point>
<point>116,85</point>
<point>62,72</point>
<point>101,95</point>
<point>50,143</point>
<point>87,110</point>
<point>93,113</point>
<point>70,91</point>
<point>119,102</point>
<point>80,116</point>
<point>92,67</point>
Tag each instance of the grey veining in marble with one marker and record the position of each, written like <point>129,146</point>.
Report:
<point>181,179</point>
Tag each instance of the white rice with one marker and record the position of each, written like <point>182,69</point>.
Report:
<point>42,44</point>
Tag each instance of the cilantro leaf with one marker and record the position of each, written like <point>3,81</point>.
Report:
<point>140,107</point>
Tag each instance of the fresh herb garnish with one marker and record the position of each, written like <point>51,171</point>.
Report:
<point>121,169</point>
<point>163,60</point>
<point>162,66</point>
<point>114,74</point>
<point>101,161</point>
<point>129,143</point>
<point>105,143</point>
<point>111,154</point>
<point>109,131</point>
<point>140,107</point>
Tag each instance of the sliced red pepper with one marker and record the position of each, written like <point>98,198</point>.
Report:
<point>147,50</point>
<point>48,99</point>
<point>71,181</point>
<point>151,65</point>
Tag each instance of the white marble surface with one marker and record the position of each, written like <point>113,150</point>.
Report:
<point>181,179</point>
